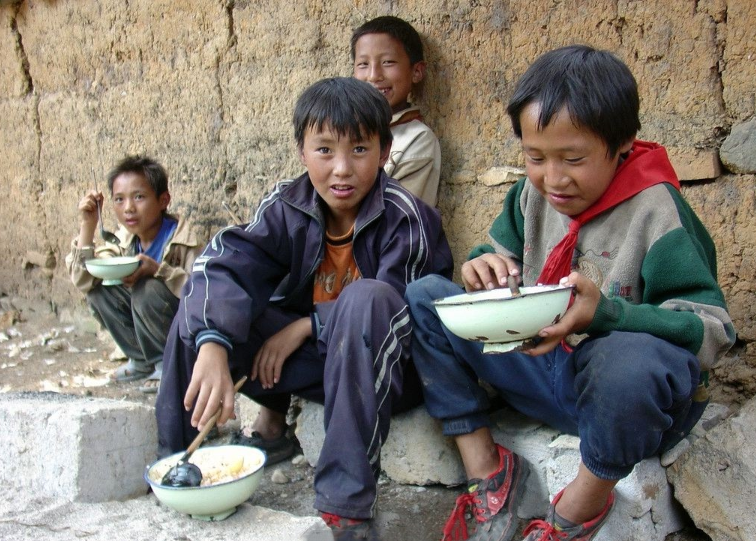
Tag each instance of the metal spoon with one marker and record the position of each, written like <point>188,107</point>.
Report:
<point>186,474</point>
<point>107,236</point>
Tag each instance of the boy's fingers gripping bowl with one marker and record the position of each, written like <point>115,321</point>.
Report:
<point>501,320</point>
<point>230,475</point>
<point>112,269</point>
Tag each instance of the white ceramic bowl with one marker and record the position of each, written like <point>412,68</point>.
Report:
<point>499,320</point>
<point>212,502</point>
<point>112,269</point>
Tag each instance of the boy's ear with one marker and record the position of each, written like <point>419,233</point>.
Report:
<point>418,71</point>
<point>164,199</point>
<point>627,146</point>
<point>300,153</point>
<point>385,153</point>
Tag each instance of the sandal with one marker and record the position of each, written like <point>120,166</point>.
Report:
<point>131,371</point>
<point>276,450</point>
<point>152,383</point>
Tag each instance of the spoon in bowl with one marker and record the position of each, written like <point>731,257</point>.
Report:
<point>514,288</point>
<point>184,473</point>
<point>107,236</point>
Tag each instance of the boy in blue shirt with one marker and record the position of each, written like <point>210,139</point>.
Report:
<point>337,246</point>
<point>602,212</point>
<point>138,313</point>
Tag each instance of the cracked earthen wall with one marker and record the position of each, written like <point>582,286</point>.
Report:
<point>208,86</point>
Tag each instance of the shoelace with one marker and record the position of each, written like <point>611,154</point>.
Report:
<point>455,528</point>
<point>549,532</point>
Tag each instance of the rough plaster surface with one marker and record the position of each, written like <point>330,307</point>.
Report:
<point>208,87</point>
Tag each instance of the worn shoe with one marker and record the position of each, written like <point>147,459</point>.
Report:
<point>551,530</point>
<point>492,502</point>
<point>275,450</point>
<point>348,529</point>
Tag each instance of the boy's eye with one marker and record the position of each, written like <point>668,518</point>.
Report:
<point>533,159</point>
<point>118,199</point>
<point>322,150</point>
<point>360,149</point>
<point>573,160</point>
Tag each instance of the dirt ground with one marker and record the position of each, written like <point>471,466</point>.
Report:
<point>40,351</point>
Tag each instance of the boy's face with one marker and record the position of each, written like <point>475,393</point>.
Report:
<point>382,61</point>
<point>568,164</point>
<point>137,207</point>
<point>342,171</point>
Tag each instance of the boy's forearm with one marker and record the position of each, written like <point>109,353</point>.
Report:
<point>86,235</point>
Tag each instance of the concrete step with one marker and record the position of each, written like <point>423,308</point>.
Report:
<point>417,453</point>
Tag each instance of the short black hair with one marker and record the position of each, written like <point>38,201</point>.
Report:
<point>151,170</point>
<point>348,106</point>
<point>597,88</point>
<point>397,28</point>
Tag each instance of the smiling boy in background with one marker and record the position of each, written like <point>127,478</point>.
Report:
<point>138,313</point>
<point>387,53</point>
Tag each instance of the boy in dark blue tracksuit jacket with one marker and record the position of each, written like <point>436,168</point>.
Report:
<point>337,246</point>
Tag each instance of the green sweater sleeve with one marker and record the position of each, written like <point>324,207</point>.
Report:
<point>507,234</point>
<point>682,302</point>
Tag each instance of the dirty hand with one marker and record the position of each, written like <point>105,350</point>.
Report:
<point>270,358</point>
<point>147,268</point>
<point>211,386</point>
<point>488,271</point>
<point>577,318</point>
<point>88,208</point>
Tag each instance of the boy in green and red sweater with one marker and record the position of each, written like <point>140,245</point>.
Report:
<point>624,368</point>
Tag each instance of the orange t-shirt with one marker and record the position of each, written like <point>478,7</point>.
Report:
<point>337,270</point>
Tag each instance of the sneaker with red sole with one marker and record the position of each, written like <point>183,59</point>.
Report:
<point>549,529</point>
<point>492,502</point>
<point>348,529</point>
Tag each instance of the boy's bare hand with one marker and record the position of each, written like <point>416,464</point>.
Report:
<point>211,386</point>
<point>577,318</point>
<point>271,356</point>
<point>88,208</point>
<point>146,269</point>
<point>488,271</point>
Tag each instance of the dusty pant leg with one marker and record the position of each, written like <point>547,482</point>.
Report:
<point>153,307</point>
<point>112,306</point>
<point>633,395</point>
<point>366,345</point>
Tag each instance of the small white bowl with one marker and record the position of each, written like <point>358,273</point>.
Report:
<point>499,320</point>
<point>212,502</point>
<point>112,269</point>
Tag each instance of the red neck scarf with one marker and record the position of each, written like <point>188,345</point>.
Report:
<point>409,116</point>
<point>646,166</point>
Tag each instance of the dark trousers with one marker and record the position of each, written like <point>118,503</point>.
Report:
<point>138,318</point>
<point>629,396</point>
<point>359,369</point>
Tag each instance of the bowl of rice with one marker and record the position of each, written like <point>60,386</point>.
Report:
<point>230,475</point>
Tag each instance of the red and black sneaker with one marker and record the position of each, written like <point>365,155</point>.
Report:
<point>492,502</point>
<point>550,529</point>
<point>348,529</point>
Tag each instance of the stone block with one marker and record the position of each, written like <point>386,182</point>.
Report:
<point>715,480</point>
<point>694,163</point>
<point>73,448</point>
<point>501,175</point>
<point>738,151</point>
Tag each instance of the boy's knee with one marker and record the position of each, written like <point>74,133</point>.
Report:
<point>366,291</point>
<point>151,294</point>
<point>625,366</point>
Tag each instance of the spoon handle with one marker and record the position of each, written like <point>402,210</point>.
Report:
<point>513,286</point>
<point>209,425</point>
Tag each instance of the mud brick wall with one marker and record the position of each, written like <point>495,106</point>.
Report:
<point>207,87</point>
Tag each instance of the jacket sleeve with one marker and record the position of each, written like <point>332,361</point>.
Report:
<point>232,281</point>
<point>507,233</point>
